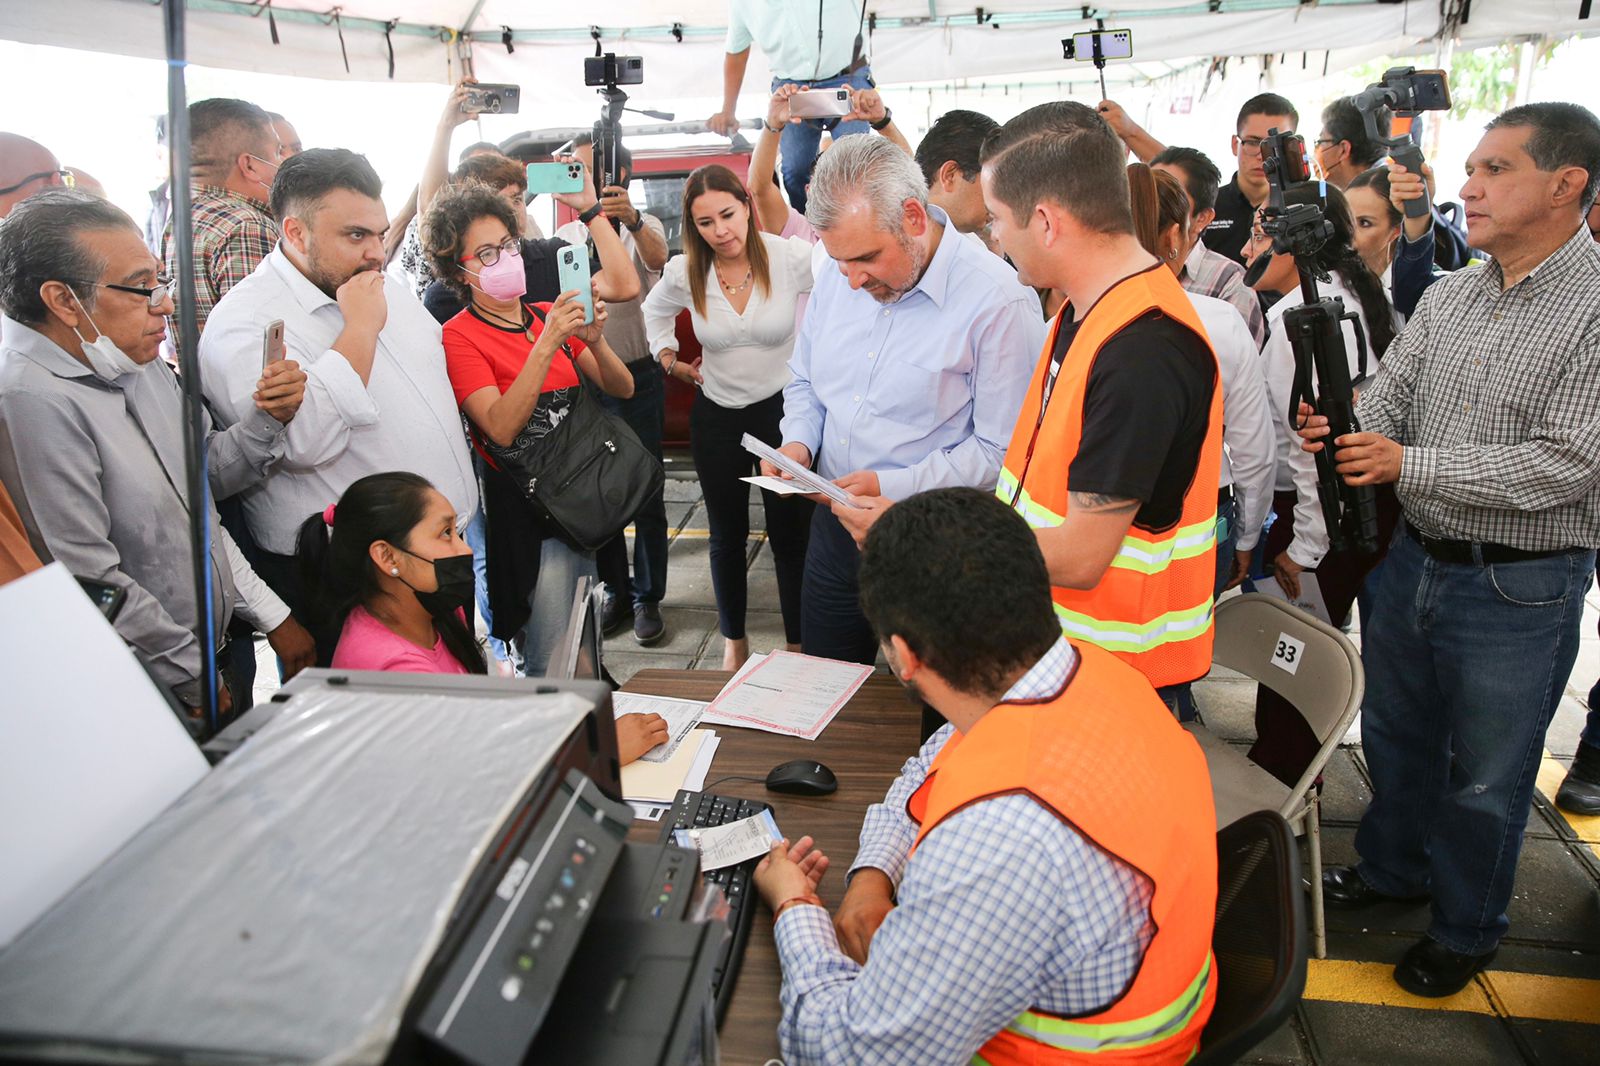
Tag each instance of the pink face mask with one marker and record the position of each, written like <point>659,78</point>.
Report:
<point>504,279</point>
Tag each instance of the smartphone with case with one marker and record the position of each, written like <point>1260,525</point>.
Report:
<point>572,272</point>
<point>496,99</point>
<point>272,344</point>
<point>820,103</point>
<point>554,178</point>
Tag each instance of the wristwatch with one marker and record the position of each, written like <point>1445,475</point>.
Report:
<point>637,224</point>
<point>591,214</point>
<point>883,123</point>
<point>771,128</point>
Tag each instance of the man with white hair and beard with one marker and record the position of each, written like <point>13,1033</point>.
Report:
<point>908,372</point>
<point>366,345</point>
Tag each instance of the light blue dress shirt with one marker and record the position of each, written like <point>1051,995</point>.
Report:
<point>1004,908</point>
<point>924,391</point>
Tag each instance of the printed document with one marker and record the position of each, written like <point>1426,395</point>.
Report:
<point>1310,599</point>
<point>795,695</point>
<point>810,480</point>
<point>681,716</point>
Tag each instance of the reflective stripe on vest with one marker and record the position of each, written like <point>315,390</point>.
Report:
<point>1152,606</point>
<point>1089,1037</point>
<point>1134,637</point>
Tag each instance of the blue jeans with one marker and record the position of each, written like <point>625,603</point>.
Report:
<point>644,412</point>
<point>550,604</point>
<point>1591,725</point>
<point>800,140</point>
<point>1465,666</point>
<point>473,535</point>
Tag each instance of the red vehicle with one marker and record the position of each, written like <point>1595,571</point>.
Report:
<point>656,187</point>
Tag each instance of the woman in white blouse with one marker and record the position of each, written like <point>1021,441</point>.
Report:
<point>740,286</point>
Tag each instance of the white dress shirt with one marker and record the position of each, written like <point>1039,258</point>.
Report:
<point>257,603</point>
<point>1249,454</point>
<point>746,355</point>
<point>404,418</point>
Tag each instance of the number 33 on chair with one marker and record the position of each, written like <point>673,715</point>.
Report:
<point>1287,653</point>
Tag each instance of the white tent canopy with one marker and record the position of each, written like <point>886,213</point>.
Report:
<point>914,40</point>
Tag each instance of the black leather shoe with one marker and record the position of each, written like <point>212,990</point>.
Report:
<point>614,616</point>
<point>1343,888</point>
<point>648,628</point>
<point>1433,970</point>
<point>1579,793</point>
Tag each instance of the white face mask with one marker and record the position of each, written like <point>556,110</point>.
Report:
<point>106,360</point>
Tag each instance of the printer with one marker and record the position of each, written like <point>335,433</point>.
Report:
<point>383,868</point>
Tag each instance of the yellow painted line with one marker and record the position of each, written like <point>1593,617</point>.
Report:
<point>1585,827</point>
<point>1496,992</point>
<point>1552,999</point>
<point>1373,983</point>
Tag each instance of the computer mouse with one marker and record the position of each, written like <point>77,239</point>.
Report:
<point>802,777</point>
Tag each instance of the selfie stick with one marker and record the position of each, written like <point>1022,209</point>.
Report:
<point>1098,56</point>
<point>194,426</point>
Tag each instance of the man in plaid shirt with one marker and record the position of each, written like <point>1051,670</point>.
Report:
<point>1484,420</point>
<point>234,152</point>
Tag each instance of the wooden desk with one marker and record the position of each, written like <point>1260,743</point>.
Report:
<point>865,746</point>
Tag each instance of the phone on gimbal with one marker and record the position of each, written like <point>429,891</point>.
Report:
<point>1404,91</point>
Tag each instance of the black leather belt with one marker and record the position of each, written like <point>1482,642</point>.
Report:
<point>1472,553</point>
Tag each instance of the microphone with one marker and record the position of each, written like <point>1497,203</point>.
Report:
<point>1254,271</point>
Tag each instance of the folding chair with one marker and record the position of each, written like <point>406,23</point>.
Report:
<point>1259,939</point>
<point>1315,668</point>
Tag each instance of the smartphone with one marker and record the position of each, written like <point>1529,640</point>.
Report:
<point>272,344</point>
<point>1428,90</point>
<point>554,178</point>
<point>497,99</point>
<point>1114,44</point>
<point>820,103</point>
<point>108,598</point>
<point>572,272</point>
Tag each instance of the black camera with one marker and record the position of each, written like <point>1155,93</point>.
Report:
<point>611,69</point>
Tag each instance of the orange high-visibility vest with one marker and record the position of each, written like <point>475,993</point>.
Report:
<point>1106,757</point>
<point>1153,605</point>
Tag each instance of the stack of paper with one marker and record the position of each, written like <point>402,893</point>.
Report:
<point>654,784</point>
<point>680,715</point>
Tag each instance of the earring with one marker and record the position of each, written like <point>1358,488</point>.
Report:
<point>394,571</point>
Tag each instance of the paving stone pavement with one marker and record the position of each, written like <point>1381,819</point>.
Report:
<point>1540,1006</point>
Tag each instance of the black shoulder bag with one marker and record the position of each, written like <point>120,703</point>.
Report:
<point>587,474</point>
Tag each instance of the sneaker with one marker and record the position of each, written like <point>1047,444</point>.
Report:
<point>613,616</point>
<point>648,628</point>
<point>1580,792</point>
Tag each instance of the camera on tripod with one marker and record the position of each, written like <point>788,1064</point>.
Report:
<point>608,71</point>
<point>611,69</point>
<point>1314,329</point>
<point>1404,91</point>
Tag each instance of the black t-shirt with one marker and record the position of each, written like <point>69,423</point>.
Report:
<point>1230,230</point>
<point>1144,416</point>
<point>538,265</point>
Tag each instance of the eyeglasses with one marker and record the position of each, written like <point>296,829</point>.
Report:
<point>1251,144</point>
<point>156,296</point>
<point>65,175</point>
<point>491,255</point>
<point>1323,142</point>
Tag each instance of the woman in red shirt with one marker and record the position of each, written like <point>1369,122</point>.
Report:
<point>512,368</point>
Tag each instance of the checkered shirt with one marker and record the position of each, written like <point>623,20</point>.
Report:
<point>232,235</point>
<point>1492,391</point>
<point>1213,274</point>
<point>1005,908</point>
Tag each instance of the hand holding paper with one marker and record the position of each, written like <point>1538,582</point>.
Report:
<point>731,844</point>
<point>811,480</point>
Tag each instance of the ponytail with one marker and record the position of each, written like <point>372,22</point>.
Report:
<point>335,567</point>
<point>1146,204</point>
<point>1339,256</point>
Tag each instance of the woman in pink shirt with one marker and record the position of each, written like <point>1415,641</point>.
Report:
<point>387,564</point>
<point>389,567</point>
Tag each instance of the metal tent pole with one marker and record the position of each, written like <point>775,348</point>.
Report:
<point>194,435</point>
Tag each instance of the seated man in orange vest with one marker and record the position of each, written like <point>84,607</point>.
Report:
<point>1115,455</point>
<point>1038,886</point>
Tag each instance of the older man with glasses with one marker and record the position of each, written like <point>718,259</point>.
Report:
<point>92,434</point>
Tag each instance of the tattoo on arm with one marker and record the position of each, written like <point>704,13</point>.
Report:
<point>1099,503</point>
